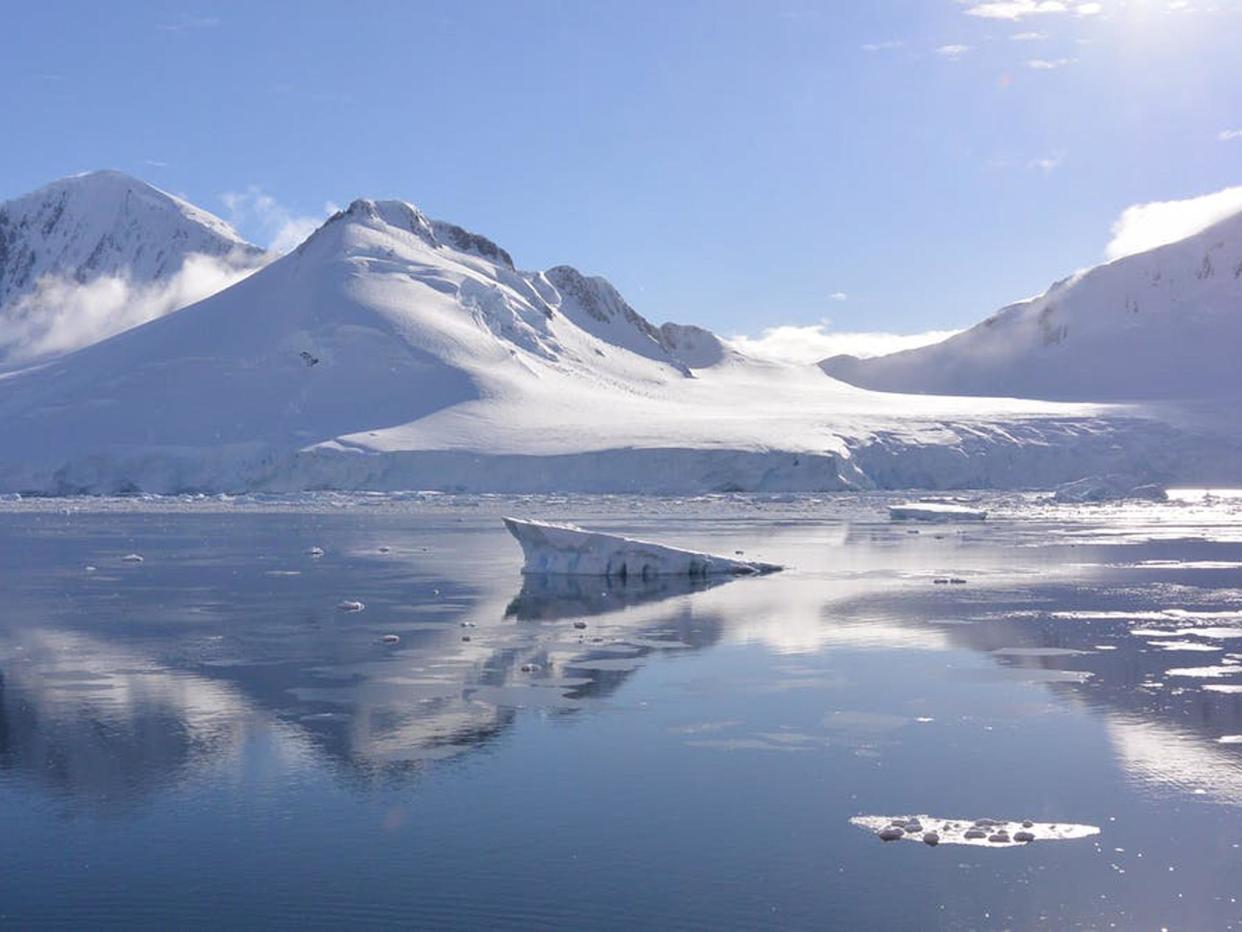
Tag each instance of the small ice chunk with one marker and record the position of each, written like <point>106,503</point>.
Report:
<point>315,552</point>
<point>391,639</point>
<point>349,605</point>
<point>132,558</point>
<point>934,512</point>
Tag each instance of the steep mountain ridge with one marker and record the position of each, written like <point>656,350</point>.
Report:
<point>105,223</point>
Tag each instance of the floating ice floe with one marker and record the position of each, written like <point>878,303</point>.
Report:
<point>391,639</point>
<point>563,549</point>
<point>1108,489</point>
<point>934,512</point>
<point>132,558</point>
<point>349,605</point>
<point>315,552</point>
<point>987,833</point>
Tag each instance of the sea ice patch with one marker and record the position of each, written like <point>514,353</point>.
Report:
<point>934,512</point>
<point>983,833</point>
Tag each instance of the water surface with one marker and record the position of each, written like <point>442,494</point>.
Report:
<point>203,738</point>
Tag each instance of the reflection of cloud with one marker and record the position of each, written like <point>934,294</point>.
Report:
<point>105,723</point>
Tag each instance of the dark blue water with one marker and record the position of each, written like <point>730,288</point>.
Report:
<point>203,739</point>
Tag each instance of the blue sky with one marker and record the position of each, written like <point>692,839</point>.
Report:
<point>895,165</point>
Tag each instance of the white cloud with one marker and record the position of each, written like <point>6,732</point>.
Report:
<point>1228,135</point>
<point>883,46</point>
<point>1018,9</point>
<point>1146,226</point>
<point>1047,164</point>
<point>1048,64</point>
<point>265,218</point>
<point>1029,36</point>
<point>838,296</point>
<point>61,315</point>
<point>952,52</point>
<point>813,342</point>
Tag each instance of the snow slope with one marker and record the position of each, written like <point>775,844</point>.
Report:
<point>103,243</point>
<point>1163,324</point>
<point>390,351</point>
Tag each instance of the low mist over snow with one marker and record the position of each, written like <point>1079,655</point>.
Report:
<point>91,255</point>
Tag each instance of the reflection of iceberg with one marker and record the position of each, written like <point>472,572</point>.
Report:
<point>551,597</point>
<point>569,550</point>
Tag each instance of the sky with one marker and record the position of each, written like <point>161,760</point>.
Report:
<point>798,173</point>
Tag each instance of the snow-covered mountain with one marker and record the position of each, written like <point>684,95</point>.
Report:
<point>93,254</point>
<point>1162,324</point>
<point>390,351</point>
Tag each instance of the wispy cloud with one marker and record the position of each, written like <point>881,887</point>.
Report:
<point>62,314</point>
<point>1146,226</point>
<point>813,342</point>
<point>1228,135</point>
<point>186,23</point>
<point>1048,64</point>
<point>952,52</point>
<point>838,296</point>
<point>155,163</point>
<point>265,218</point>
<point>1019,9</point>
<point>883,46</point>
<point>1048,163</point>
<point>1029,36</point>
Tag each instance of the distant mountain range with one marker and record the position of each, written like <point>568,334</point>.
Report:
<point>392,351</point>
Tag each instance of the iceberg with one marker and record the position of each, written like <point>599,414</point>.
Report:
<point>563,549</point>
<point>934,511</point>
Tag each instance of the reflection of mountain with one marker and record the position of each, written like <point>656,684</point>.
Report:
<point>549,598</point>
<point>113,685</point>
<point>1097,624</point>
<point>104,725</point>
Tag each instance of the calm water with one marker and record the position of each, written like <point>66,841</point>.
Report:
<point>204,739</point>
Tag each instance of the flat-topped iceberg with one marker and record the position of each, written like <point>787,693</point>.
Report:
<point>563,549</point>
<point>934,511</point>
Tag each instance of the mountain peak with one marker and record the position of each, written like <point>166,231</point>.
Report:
<point>104,225</point>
